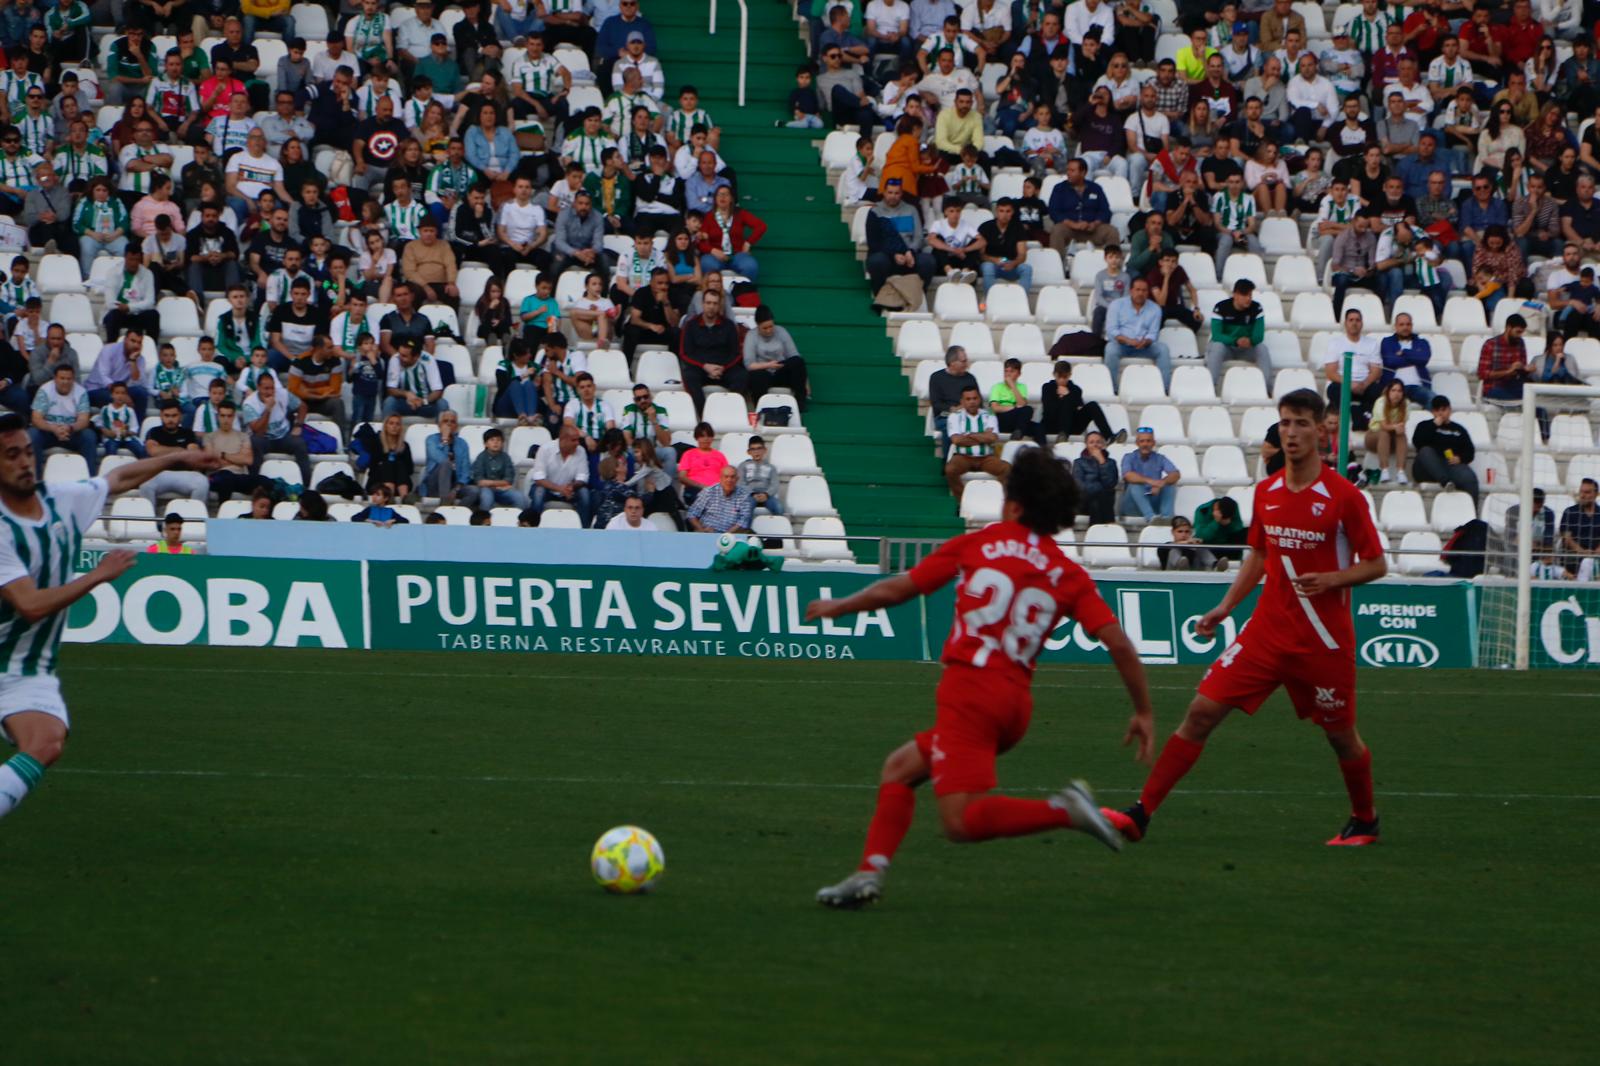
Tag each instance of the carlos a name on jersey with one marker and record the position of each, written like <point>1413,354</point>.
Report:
<point>1028,553</point>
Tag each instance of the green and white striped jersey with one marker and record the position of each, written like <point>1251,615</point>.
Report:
<point>681,123</point>
<point>635,422</point>
<point>36,133</point>
<point>111,417</point>
<point>43,549</point>
<point>1232,214</point>
<point>587,151</point>
<point>539,77</point>
<point>1336,212</point>
<point>404,219</point>
<point>960,424</point>
<point>1368,35</point>
<point>591,421</point>
<point>570,366</point>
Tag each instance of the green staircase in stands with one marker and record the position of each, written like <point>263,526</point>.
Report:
<point>883,475</point>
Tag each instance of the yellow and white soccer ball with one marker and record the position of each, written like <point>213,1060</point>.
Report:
<point>627,859</point>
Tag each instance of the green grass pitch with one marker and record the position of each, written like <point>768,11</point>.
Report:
<point>300,857</point>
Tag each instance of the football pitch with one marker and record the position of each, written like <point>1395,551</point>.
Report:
<point>278,857</point>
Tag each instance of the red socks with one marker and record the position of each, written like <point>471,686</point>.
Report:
<point>890,823</point>
<point>1177,758</point>
<point>988,817</point>
<point>1358,782</point>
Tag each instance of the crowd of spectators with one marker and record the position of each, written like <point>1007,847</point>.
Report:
<point>335,179</point>
<point>1440,148</point>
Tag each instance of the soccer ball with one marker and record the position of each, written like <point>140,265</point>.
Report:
<point>627,859</point>
<point>726,542</point>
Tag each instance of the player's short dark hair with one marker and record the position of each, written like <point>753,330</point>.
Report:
<point>11,422</point>
<point>1306,400</point>
<point>1043,487</point>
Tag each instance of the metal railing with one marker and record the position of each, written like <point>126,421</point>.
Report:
<point>744,41</point>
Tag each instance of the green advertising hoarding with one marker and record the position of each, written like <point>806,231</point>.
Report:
<point>228,601</point>
<point>1410,625</point>
<point>224,602</point>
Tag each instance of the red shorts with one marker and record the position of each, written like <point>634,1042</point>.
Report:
<point>981,714</point>
<point>1322,685</point>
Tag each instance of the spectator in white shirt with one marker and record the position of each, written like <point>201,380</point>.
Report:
<point>1312,99</point>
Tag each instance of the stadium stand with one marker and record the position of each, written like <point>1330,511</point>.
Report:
<point>1466,260</point>
<point>359,172</point>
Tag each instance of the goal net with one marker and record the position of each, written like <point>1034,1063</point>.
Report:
<point>1533,611</point>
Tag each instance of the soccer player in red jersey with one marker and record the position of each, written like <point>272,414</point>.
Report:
<point>1314,540</point>
<point>1015,585</point>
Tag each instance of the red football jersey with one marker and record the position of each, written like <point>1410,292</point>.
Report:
<point>1325,526</point>
<point>1014,587</point>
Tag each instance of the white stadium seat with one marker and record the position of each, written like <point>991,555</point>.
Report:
<point>726,411</point>
<point>1095,381</point>
<point>1224,466</point>
<point>1022,340</point>
<point>1106,546</point>
<point>975,337</point>
<point>659,370</point>
<point>1046,266</point>
<point>824,526</point>
<point>1420,308</point>
<point>1201,268</point>
<point>1166,422</point>
<point>1464,314</point>
<point>1141,383</point>
<point>1288,381</point>
<point>1151,538</point>
<point>1295,274</point>
<point>59,273</point>
<point>1007,302</point>
<point>1402,512</point>
<point>807,496</point>
<point>1243,385</point>
<point>953,302</point>
<point>1452,509</point>
<point>1420,541</point>
<point>919,339</point>
<point>1211,425</point>
<point>1058,304</point>
<point>1193,385</point>
<point>1279,236</point>
<point>550,518</point>
<point>981,501</point>
<point>1312,311</point>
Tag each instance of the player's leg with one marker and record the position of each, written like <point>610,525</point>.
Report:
<point>1355,763</point>
<point>1324,691</point>
<point>1243,676</point>
<point>904,769</point>
<point>39,738</point>
<point>971,817</point>
<point>1178,756</point>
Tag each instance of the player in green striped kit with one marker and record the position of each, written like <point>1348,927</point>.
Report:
<point>41,531</point>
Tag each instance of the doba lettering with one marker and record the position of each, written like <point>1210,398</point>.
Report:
<point>234,612</point>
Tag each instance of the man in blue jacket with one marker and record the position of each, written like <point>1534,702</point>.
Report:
<point>1406,356</point>
<point>1079,211</point>
<point>895,243</point>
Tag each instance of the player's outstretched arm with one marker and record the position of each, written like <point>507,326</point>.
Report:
<point>890,592</point>
<point>1248,577</point>
<point>1142,726</point>
<point>35,604</point>
<point>130,476</point>
<point>1358,574</point>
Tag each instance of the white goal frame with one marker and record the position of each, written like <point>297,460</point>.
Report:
<point>1531,394</point>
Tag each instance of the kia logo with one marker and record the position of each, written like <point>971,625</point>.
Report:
<point>1399,650</point>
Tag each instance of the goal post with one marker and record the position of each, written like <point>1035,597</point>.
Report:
<point>1532,394</point>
